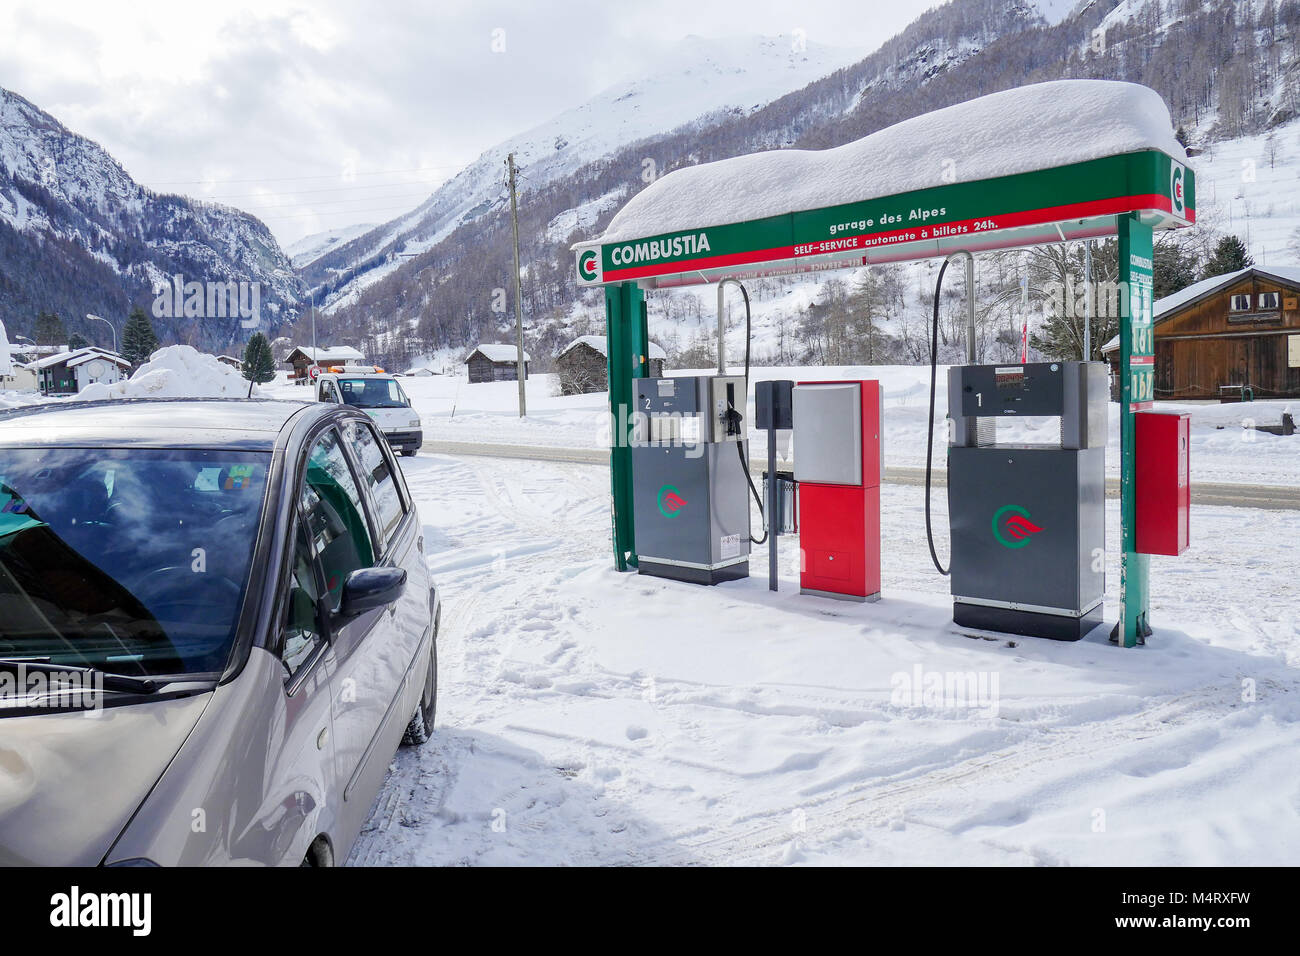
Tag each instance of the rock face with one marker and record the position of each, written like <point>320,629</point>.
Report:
<point>78,235</point>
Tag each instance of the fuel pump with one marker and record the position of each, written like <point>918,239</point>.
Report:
<point>690,486</point>
<point>690,474</point>
<point>1028,521</point>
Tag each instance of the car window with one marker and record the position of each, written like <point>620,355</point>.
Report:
<point>135,560</point>
<point>372,393</point>
<point>302,632</point>
<point>331,506</point>
<point>377,469</point>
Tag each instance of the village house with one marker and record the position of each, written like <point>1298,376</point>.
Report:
<point>582,365</point>
<point>495,363</point>
<point>1229,337</point>
<point>301,359</point>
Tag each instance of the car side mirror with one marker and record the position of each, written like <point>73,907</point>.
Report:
<point>369,588</point>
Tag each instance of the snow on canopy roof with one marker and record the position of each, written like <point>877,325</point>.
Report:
<point>1176,300</point>
<point>1016,131</point>
<point>597,342</point>
<point>499,353</point>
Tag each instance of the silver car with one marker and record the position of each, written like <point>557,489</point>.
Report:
<point>216,626</point>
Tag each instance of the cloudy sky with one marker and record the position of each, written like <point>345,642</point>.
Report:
<point>314,115</point>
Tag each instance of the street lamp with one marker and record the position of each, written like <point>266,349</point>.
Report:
<point>110,326</point>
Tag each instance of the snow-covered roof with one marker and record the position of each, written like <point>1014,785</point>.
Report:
<point>1197,290</point>
<point>79,357</point>
<point>82,356</point>
<point>597,342</point>
<point>333,353</point>
<point>1030,128</point>
<point>498,353</point>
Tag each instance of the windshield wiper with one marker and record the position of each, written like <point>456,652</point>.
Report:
<point>115,682</point>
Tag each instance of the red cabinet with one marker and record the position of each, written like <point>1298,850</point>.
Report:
<point>1163,482</point>
<point>837,462</point>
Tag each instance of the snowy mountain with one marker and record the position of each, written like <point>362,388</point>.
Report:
<point>701,81</point>
<point>78,234</point>
<point>1227,70</point>
<point>310,248</point>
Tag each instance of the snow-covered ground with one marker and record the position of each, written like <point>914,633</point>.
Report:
<point>591,717</point>
<point>452,409</point>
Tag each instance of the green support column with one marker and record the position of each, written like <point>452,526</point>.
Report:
<point>1137,390</point>
<point>625,348</point>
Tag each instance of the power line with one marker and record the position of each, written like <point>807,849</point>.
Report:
<point>285,179</point>
<point>333,202</point>
<point>330,189</point>
<point>310,215</point>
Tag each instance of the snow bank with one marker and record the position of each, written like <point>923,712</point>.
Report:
<point>177,371</point>
<point>1015,131</point>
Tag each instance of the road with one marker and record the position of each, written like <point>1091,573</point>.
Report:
<point>1268,497</point>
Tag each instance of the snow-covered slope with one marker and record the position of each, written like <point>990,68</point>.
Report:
<point>310,248</point>
<point>1056,11</point>
<point>701,77</point>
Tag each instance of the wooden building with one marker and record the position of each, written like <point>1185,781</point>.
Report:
<point>582,365</point>
<point>1229,337</point>
<point>302,357</point>
<point>495,363</point>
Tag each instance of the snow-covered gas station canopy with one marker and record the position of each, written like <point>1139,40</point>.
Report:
<point>1036,164</point>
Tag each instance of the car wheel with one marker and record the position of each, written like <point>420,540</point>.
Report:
<point>420,729</point>
<point>408,452</point>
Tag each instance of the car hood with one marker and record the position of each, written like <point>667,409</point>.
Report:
<point>69,782</point>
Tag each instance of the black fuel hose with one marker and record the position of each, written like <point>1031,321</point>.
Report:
<point>743,439</point>
<point>929,441</point>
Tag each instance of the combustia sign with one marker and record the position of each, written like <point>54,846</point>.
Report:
<point>984,214</point>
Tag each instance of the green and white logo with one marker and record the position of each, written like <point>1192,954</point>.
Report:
<point>671,501</point>
<point>1012,527</point>
<point>589,265</point>
<point>1177,182</point>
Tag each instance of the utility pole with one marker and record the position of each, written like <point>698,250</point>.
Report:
<point>521,366</point>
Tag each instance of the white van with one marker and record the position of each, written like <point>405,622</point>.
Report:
<point>380,396</point>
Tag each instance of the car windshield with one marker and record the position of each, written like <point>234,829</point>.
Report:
<point>372,393</point>
<point>134,561</point>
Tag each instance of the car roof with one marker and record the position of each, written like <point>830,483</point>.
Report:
<point>236,423</point>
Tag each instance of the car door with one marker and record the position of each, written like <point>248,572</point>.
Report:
<point>367,669</point>
<point>301,787</point>
<point>398,530</point>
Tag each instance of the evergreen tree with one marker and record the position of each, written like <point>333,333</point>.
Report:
<point>138,338</point>
<point>259,363</point>
<point>1174,268</point>
<point>76,341</point>
<point>1229,255</point>
<point>49,329</point>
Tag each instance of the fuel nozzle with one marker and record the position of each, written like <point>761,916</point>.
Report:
<point>731,417</point>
